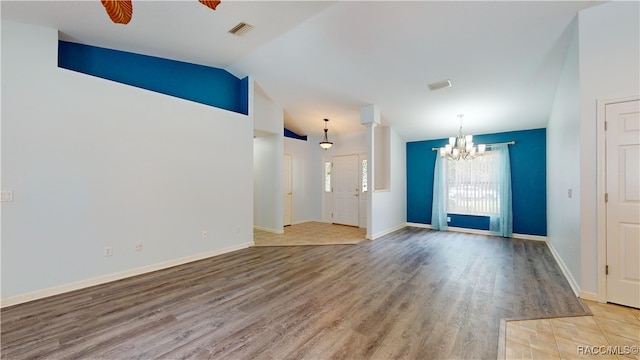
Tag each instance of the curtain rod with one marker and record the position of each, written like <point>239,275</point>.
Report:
<point>488,145</point>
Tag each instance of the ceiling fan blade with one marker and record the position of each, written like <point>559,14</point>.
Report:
<point>212,4</point>
<point>120,11</point>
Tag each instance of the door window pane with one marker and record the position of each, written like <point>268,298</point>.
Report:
<point>364,175</point>
<point>327,176</point>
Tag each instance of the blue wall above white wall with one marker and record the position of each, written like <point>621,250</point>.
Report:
<point>528,177</point>
<point>202,84</point>
<point>96,163</point>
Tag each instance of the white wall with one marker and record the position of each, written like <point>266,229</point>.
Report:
<point>268,167</point>
<point>563,172</point>
<point>609,48</point>
<point>268,183</point>
<point>96,163</point>
<point>268,116</point>
<point>389,207</point>
<point>382,157</point>
<point>344,144</point>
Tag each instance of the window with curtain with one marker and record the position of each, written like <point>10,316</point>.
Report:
<point>481,186</point>
<point>472,186</point>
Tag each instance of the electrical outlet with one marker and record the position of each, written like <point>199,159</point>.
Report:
<point>139,246</point>
<point>7,195</point>
<point>108,251</point>
<point>204,234</point>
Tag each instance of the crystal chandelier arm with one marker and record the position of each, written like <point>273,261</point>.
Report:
<point>487,146</point>
<point>462,146</point>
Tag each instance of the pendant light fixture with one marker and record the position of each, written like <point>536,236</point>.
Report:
<point>461,147</point>
<point>325,143</point>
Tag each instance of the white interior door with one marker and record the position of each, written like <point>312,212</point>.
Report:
<point>345,176</point>
<point>623,205</point>
<point>288,191</point>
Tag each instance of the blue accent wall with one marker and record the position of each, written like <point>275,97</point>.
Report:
<point>290,134</point>
<point>198,83</point>
<point>243,100</point>
<point>528,181</point>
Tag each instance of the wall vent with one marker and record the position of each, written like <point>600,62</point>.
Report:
<point>240,29</point>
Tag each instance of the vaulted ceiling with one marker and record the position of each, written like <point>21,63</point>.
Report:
<point>322,59</point>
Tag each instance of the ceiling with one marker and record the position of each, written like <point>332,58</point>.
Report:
<point>322,59</point>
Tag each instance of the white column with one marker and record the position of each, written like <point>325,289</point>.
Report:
<point>370,117</point>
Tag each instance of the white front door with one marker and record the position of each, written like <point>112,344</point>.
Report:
<point>623,205</point>
<point>345,176</point>
<point>288,191</point>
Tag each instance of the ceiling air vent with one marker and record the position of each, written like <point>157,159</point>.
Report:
<point>440,85</point>
<point>240,29</point>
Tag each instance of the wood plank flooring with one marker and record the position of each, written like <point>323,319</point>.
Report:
<point>414,294</point>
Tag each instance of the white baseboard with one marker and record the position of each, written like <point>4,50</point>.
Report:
<point>274,231</point>
<point>56,290</point>
<point>303,221</point>
<point>588,295</point>
<point>418,225</point>
<point>388,231</point>
<point>530,237</point>
<point>565,270</point>
<point>469,231</point>
<point>481,232</point>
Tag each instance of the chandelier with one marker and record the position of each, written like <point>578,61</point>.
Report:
<point>462,147</point>
<point>325,143</point>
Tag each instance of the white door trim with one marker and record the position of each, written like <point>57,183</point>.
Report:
<point>288,193</point>
<point>601,209</point>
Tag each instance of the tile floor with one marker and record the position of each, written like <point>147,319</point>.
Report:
<point>613,330</point>
<point>311,233</point>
